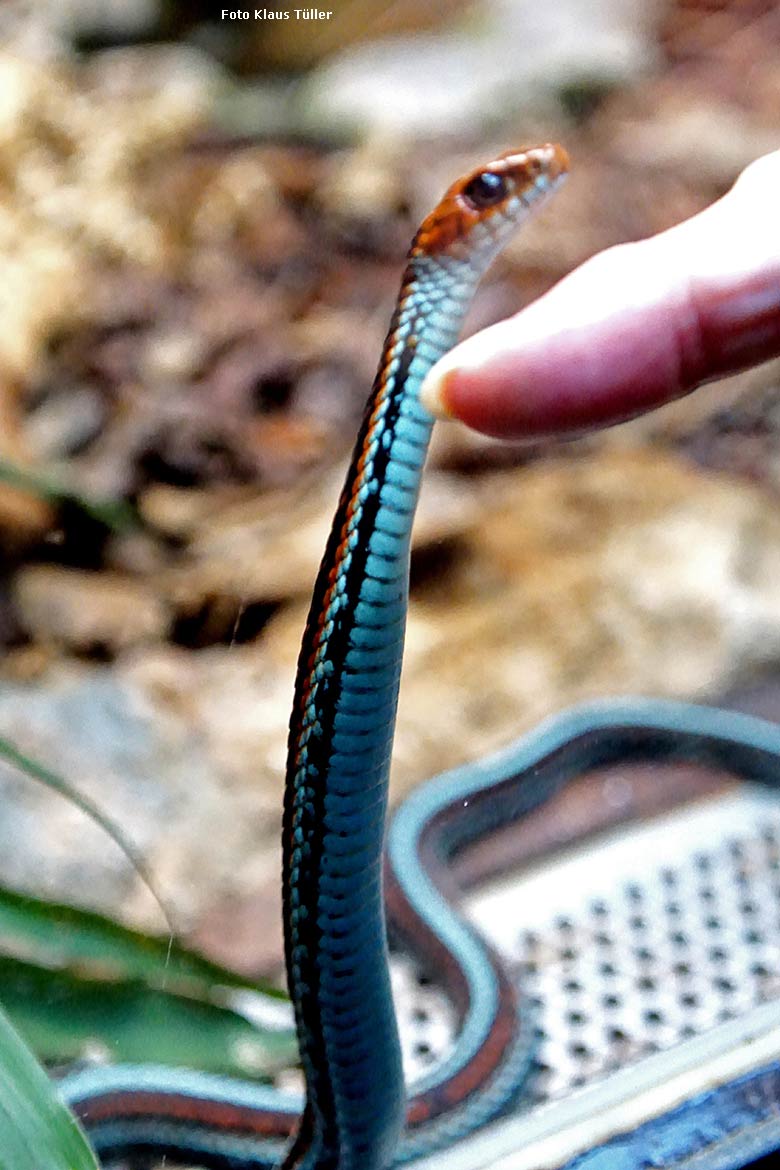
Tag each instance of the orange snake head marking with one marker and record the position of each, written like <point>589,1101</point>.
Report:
<point>515,178</point>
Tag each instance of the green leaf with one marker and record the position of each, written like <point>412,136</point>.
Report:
<point>56,935</point>
<point>37,1132</point>
<point>75,983</point>
<point>65,1017</point>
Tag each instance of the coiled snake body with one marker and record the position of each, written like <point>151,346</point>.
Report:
<point>355,1115</point>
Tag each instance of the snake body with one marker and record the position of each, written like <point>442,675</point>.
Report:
<point>355,1115</point>
<point>343,719</point>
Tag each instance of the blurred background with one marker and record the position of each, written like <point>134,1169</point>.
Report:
<point>202,227</point>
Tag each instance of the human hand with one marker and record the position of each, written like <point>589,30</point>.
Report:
<point>634,327</point>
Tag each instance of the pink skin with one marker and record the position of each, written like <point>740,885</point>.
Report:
<point>632,328</point>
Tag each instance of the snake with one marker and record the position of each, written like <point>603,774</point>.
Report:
<point>344,877</point>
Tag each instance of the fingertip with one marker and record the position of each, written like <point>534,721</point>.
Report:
<point>458,379</point>
<point>434,392</point>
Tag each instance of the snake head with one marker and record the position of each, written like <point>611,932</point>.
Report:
<point>492,197</point>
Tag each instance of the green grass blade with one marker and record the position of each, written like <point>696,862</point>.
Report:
<point>37,1132</point>
<point>50,779</point>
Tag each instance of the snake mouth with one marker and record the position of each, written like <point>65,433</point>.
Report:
<point>556,161</point>
<point>535,172</point>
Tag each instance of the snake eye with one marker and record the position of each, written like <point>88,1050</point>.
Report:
<point>485,190</point>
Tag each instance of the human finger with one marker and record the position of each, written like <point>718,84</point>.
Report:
<point>632,328</point>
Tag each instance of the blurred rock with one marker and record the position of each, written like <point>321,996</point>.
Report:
<point>70,148</point>
<point>363,191</point>
<point>268,548</point>
<point>511,58</point>
<point>63,423</point>
<point>704,140</point>
<point>740,434</point>
<point>85,611</point>
<point>291,44</point>
<point>730,51</point>
<point>24,517</point>
<point>51,24</point>
<point>148,769</point>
